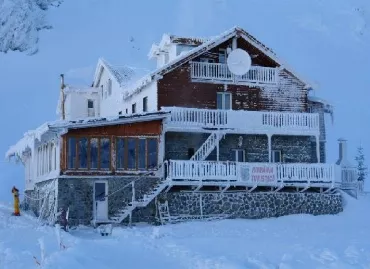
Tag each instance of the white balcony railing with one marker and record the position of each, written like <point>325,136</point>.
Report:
<point>250,121</point>
<point>220,72</point>
<point>252,174</point>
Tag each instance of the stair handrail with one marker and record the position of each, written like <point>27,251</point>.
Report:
<point>138,178</point>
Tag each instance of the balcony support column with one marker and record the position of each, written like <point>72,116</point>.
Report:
<point>318,148</point>
<point>218,147</point>
<point>269,146</point>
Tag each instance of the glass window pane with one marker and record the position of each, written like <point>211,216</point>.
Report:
<point>104,153</point>
<point>142,154</point>
<point>152,153</point>
<point>120,155</point>
<point>71,152</point>
<point>219,101</point>
<point>131,150</point>
<point>93,153</point>
<point>99,190</point>
<point>240,155</point>
<point>82,152</point>
<point>227,101</point>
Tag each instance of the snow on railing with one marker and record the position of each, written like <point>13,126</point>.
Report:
<point>348,176</point>
<point>220,71</point>
<point>254,121</point>
<point>251,174</point>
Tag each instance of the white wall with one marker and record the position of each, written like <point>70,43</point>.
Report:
<point>110,104</point>
<point>76,104</point>
<point>149,91</point>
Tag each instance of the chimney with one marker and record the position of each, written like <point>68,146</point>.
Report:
<point>343,161</point>
<point>62,86</point>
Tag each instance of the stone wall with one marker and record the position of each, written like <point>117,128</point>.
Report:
<point>77,194</point>
<point>253,205</point>
<point>293,148</point>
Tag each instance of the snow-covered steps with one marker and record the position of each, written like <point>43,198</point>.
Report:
<point>143,202</point>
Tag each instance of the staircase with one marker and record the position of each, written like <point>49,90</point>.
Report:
<point>208,146</point>
<point>143,202</point>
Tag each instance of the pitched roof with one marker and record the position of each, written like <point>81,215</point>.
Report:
<point>123,74</point>
<point>213,42</point>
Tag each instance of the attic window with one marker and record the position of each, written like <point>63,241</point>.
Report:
<point>145,104</point>
<point>109,87</point>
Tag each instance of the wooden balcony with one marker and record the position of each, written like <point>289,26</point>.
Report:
<point>251,174</point>
<point>217,72</point>
<point>241,121</point>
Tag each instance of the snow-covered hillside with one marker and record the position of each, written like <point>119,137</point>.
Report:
<point>20,21</point>
<point>299,241</point>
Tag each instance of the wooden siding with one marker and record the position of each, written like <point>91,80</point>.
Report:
<point>144,129</point>
<point>177,89</point>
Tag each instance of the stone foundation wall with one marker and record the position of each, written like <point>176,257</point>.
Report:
<point>252,205</point>
<point>78,195</point>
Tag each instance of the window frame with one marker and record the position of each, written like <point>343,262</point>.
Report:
<point>236,156</point>
<point>273,156</point>
<point>223,100</point>
<point>145,104</point>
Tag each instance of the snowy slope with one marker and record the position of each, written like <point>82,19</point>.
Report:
<point>325,41</point>
<point>299,241</point>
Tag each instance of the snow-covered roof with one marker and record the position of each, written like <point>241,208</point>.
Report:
<point>103,121</point>
<point>123,74</point>
<point>27,142</point>
<point>80,89</point>
<point>328,107</point>
<point>213,42</point>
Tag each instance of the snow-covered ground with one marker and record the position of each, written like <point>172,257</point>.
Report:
<point>297,241</point>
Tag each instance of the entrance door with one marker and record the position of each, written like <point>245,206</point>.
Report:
<point>100,200</point>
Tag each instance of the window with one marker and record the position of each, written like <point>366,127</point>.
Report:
<point>191,152</point>
<point>104,153</point>
<point>141,154</point>
<point>145,104</point>
<point>109,87</point>
<point>180,48</point>
<point>152,149</point>
<point>133,108</point>
<point>82,153</point>
<point>126,110</point>
<point>238,155</point>
<point>94,143</point>
<point>276,156</point>
<point>224,100</point>
<point>71,152</point>
<point>131,153</point>
<point>222,56</point>
<point>120,153</point>
<point>90,108</point>
<point>102,91</point>
<point>90,103</point>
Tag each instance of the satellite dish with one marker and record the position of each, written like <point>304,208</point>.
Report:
<point>239,62</point>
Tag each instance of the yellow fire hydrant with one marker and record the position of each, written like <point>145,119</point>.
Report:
<point>15,192</point>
